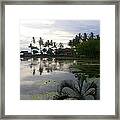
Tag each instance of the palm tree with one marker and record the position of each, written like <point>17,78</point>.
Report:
<point>33,40</point>
<point>54,45</point>
<point>44,50</point>
<point>30,46</point>
<point>91,36</point>
<point>51,42</point>
<point>84,37</point>
<point>47,44</point>
<point>40,43</point>
<point>61,45</point>
<point>70,43</point>
<point>98,37</point>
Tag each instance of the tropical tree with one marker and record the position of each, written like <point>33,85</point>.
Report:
<point>91,36</point>
<point>40,43</point>
<point>44,50</point>
<point>70,43</point>
<point>61,46</point>
<point>90,49</point>
<point>84,37</point>
<point>51,43</point>
<point>30,46</point>
<point>47,44</point>
<point>54,45</point>
<point>90,45</point>
<point>33,39</point>
<point>50,51</point>
<point>97,37</point>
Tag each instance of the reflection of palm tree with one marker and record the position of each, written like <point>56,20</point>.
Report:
<point>61,65</point>
<point>40,70</point>
<point>49,65</point>
<point>34,71</point>
<point>40,67</point>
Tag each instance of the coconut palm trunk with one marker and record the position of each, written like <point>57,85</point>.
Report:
<point>40,43</point>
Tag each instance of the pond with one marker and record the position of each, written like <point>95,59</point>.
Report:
<point>59,79</point>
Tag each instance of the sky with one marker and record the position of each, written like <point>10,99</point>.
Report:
<point>56,30</point>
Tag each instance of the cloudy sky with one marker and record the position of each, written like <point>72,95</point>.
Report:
<point>56,30</point>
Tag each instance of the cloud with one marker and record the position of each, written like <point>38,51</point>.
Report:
<point>37,24</point>
<point>56,30</point>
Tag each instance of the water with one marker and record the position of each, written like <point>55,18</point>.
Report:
<point>45,78</point>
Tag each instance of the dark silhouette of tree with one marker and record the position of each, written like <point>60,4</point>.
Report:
<point>30,46</point>
<point>47,43</point>
<point>40,43</point>
<point>70,43</point>
<point>91,36</point>
<point>40,67</point>
<point>34,71</point>
<point>50,51</point>
<point>51,42</point>
<point>33,40</point>
<point>80,36</point>
<point>90,45</point>
<point>61,46</point>
<point>84,37</point>
<point>44,50</point>
<point>98,37</point>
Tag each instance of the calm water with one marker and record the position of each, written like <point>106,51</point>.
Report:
<point>42,78</point>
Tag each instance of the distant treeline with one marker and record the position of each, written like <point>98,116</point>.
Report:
<point>87,45</point>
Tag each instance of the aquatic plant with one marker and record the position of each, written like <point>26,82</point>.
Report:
<point>81,89</point>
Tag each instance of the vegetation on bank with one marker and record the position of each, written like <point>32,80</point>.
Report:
<point>86,45</point>
<point>82,45</point>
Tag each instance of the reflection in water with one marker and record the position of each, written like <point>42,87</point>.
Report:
<point>45,65</point>
<point>51,78</point>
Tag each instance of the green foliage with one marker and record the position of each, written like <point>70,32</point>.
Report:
<point>89,48</point>
<point>86,45</point>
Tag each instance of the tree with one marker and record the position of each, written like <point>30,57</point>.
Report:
<point>70,43</point>
<point>98,37</point>
<point>51,43</point>
<point>30,46</point>
<point>84,37</point>
<point>61,46</point>
<point>90,48</point>
<point>40,43</point>
<point>33,40</point>
<point>44,50</point>
<point>47,44</point>
<point>91,36</point>
<point>50,51</point>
